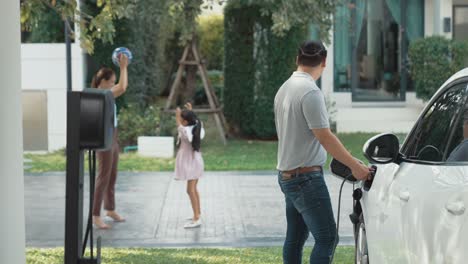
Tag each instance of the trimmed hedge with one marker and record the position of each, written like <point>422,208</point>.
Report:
<point>433,60</point>
<point>275,60</point>
<point>257,63</point>
<point>239,67</point>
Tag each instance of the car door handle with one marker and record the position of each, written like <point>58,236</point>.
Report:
<point>404,196</point>
<point>456,208</point>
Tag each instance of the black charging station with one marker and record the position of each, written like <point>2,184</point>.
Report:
<point>90,126</point>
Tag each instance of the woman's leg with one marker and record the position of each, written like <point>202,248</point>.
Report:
<point>102,181</point>
<point>191,191</point>
<point>109,197</point>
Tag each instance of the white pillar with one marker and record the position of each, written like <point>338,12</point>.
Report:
<point>12,230</point>
<point>437,18</point>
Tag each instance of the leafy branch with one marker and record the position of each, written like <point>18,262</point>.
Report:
<point>92,28</point>
<point>285,14</point>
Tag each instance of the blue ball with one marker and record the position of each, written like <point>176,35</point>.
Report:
<point>118,51</point>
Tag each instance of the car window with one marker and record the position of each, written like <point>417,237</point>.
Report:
<point>439,132</point>
<point>458,145</point>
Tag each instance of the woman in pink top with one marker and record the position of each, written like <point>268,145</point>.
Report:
<point>189,164</point>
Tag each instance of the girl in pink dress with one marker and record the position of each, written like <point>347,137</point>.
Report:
<point>189,164</point>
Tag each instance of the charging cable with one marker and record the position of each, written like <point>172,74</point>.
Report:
<point>89,227</point>
<point>349,177</point>
<point>367,184</point>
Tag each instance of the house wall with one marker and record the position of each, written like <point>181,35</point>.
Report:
<point>43,68</point>
<point>445,11</point>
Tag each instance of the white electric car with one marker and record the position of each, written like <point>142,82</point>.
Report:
<point>414,210</point>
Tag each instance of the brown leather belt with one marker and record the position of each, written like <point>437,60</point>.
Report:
<point>286,175</point>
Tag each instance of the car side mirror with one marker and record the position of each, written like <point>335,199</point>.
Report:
<point>382,149</point>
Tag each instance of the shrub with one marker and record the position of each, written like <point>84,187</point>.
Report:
<point>433,60</point>
<point>211,37</point>
<point>135,121</point>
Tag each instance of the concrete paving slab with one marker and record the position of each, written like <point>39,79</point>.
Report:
<point>239,209</point>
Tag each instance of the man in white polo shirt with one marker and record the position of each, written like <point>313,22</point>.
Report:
<point>304,138</point>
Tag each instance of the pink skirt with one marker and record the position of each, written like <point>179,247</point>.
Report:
<point>189,165</point>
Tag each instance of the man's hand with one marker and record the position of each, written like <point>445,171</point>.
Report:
<point>188,106</point>
<point>333,146</point>
<point>361,172</point>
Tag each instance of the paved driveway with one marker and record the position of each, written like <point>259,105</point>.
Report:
<point>239,209</point>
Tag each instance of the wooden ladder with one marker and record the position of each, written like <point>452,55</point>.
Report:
<point>215,106</point>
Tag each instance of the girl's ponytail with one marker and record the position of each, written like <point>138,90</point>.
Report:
<point>196,132</point>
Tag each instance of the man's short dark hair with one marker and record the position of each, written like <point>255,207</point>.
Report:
<point>311,53</point>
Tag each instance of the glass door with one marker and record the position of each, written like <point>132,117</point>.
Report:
<point>371,39</point>
<point>377,51</point>
<point>383,31</point>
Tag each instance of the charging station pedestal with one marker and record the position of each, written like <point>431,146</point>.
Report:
<point>90,126</point>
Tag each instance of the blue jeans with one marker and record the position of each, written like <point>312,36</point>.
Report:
<point>308,209</point>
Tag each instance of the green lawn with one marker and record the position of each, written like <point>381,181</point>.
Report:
<point>237,155</point>
<point>186,256</point>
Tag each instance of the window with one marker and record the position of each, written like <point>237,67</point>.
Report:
<point>460,22</point>
<point>374,29</point>
<point>458,145</point>
<point>35,131</point>
<point>439,132</point>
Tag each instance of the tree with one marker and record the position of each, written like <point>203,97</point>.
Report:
<point>100,26</point>
<point>211,34</point>
<point>289,14</point>
<point>148,33</point>
<point>285,15</point>
<point>184,14</point>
